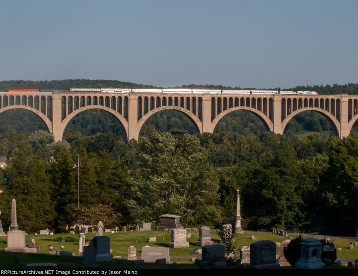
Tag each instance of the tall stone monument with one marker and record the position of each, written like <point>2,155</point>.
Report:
<point>15,237</point>
<point>13,225</point>
<point>238,228</point>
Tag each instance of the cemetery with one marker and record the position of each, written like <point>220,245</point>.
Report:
<point>129,248</point>
<point>172,246</point>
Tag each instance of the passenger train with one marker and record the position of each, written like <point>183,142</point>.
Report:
<point>169,91</point>
<point>194,91</point>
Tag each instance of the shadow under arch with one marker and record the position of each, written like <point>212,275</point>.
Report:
<point>119,117</point>
<point>353,124</point>
<point>193,118</point>
<point>258,114</point>
<point>42,116</point>
<point>326,114</point>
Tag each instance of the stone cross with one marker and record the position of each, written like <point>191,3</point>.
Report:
<point>13,225</point>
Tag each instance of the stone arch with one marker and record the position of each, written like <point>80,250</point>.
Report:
<point>37,112</point>
<point>109,110</point>
<point>260,114</point>
<point>188,113</point>
<point>328,115</point>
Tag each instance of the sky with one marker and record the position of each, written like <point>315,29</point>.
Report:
<point>168,43</point>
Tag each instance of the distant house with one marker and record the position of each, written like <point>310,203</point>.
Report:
<point>3,161</point>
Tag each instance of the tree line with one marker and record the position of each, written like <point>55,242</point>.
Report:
<point>308,184</point>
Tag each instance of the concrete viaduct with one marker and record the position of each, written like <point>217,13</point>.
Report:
<point>132,110</point>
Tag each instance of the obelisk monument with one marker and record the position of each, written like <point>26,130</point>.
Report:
<point>238,228</point>
<point>13,225</point>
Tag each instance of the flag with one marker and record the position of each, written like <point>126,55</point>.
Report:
<point>75,165</point>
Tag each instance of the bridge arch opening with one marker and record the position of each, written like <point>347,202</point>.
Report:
<point>94,122</point>
<point>241,122</point>
<point>310,122</point>
<point>354,129</point>
<point>21,120</point>
<point>20,123</point>
<point>173,121</point>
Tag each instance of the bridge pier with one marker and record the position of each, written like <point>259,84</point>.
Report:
<point>57,128</point>
<point>277,115</point>
<point>344,122</point>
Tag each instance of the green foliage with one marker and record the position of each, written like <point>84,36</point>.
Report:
<point>339,188</point>
<point>91,214</point>
<point>28,183</point>
<point>174,176</point>
<point>64,188</point>
<point>169,121</point>
<point>66,84</point>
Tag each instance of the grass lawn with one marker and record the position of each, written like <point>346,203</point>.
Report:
<point>122,240</point>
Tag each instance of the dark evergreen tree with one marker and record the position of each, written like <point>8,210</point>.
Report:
<point>63,179</point>
<point>29,185</point>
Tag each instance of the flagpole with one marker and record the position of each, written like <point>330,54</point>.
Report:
<point>78,182</point>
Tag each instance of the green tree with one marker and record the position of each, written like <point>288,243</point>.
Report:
<point>29,184</point>
<point>271,197</point>
<point>174,176</point>
<point>63,187</point>
<point>339,188</point>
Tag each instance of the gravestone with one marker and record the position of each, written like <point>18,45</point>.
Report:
<point>152,239</point>
<point>245,254</point>
<point>213,253</point>
<point>311,250</point>
<point>204,236</point>
<point>45,232</point>
<point>81,243</point>
<point>178,238</point>
<point>132,253</point>
<point>263,255</point>
<point>169,221</point>
<point>152,253</point>
<point>2,233</point>
<point>124,228</point>
<point>226,233</point>
<point>65,253</point>
<point>100,229</point>
<point>89,256</point>
<point>102,246</point>
<point>147,226</point>
<point>137,228</point>
<point>281,256</point>
<point>16,241</point>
